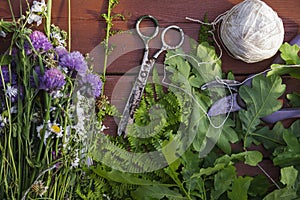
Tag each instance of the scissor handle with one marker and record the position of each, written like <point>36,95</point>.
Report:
<point>147,38</point>
<point>168,46</point>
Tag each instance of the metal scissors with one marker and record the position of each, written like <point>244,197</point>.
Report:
<point>146,66</point>
<point>236,103</point>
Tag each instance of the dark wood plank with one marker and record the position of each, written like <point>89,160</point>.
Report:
<point>88,28</point>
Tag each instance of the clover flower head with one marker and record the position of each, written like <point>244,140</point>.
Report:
<point>90,85</point>
<point>37,12</point>
<point>74,61</point>
<point>61,51</point>
<point>40,42</point>
<point>52,80</point>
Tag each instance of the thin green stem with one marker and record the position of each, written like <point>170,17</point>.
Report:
<point>69,26</point>
<point>106,47</point>
<point>48,17</point>
<point>11,11</point>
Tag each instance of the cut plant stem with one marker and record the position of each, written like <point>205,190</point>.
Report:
<point>108,18</point>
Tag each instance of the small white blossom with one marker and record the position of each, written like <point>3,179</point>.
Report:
<point>64,69</point>
<point>11,92</point>
<point>37,11</point>
<point>3,121</point>
<point>57,36</point>
<point>103,127</point>
<point>57,94</point>
<point>14,109</point>
<point>76,161</point>
<point>39,129</point>
<point>2,34</point>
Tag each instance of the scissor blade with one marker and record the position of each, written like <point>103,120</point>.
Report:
<point>282,114</point>
<point>225,105</point>
<point>135,95</point>
<point>126,113</point>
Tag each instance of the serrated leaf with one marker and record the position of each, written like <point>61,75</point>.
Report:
<point>240,188</point>
<point>285,193</point>
<point>294,99</point>
<point>289,53</point>
<point>195,81</point>
<point>279,69</point>
<point>292,142</point>
<point>252,158</point>
<point>291,153</point>
<point>288,176</point>
<point>155,192</point>
<point>210,170</point>
<point>294,128</point>
<point>261,100</point>
<point>270,138</point>
<point>227,137</point>
<point>259,186</point>
<point>222,181</point>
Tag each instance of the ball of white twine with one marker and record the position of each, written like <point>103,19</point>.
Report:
<point>252,31</point>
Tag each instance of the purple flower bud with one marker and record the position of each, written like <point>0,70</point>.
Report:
<point>74,61</point>
<point>52,80</point>
<point>90,85</point>
<point>6,76</point>
<point>40,42</point>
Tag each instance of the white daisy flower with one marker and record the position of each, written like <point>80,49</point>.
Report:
<point>57,129</point>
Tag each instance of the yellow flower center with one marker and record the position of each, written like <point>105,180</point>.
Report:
<point>55,128</point>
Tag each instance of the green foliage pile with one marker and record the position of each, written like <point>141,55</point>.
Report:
<point>165,113</point>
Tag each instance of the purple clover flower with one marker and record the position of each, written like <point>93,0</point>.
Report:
<point>61,51</point>
<point>40,42</point>
<point>53,79</point>
<point>90,85</point>
<point>74,61</point>
<point>6,76</point>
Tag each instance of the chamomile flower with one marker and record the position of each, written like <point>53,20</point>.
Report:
<point>56,129</point>
<point>51,128</point>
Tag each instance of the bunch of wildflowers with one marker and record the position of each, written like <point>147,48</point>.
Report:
<point>46,99</point>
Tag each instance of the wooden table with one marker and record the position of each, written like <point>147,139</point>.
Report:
<point>88,31</point>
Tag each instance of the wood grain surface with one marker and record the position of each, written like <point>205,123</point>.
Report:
<point>88,31</point>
